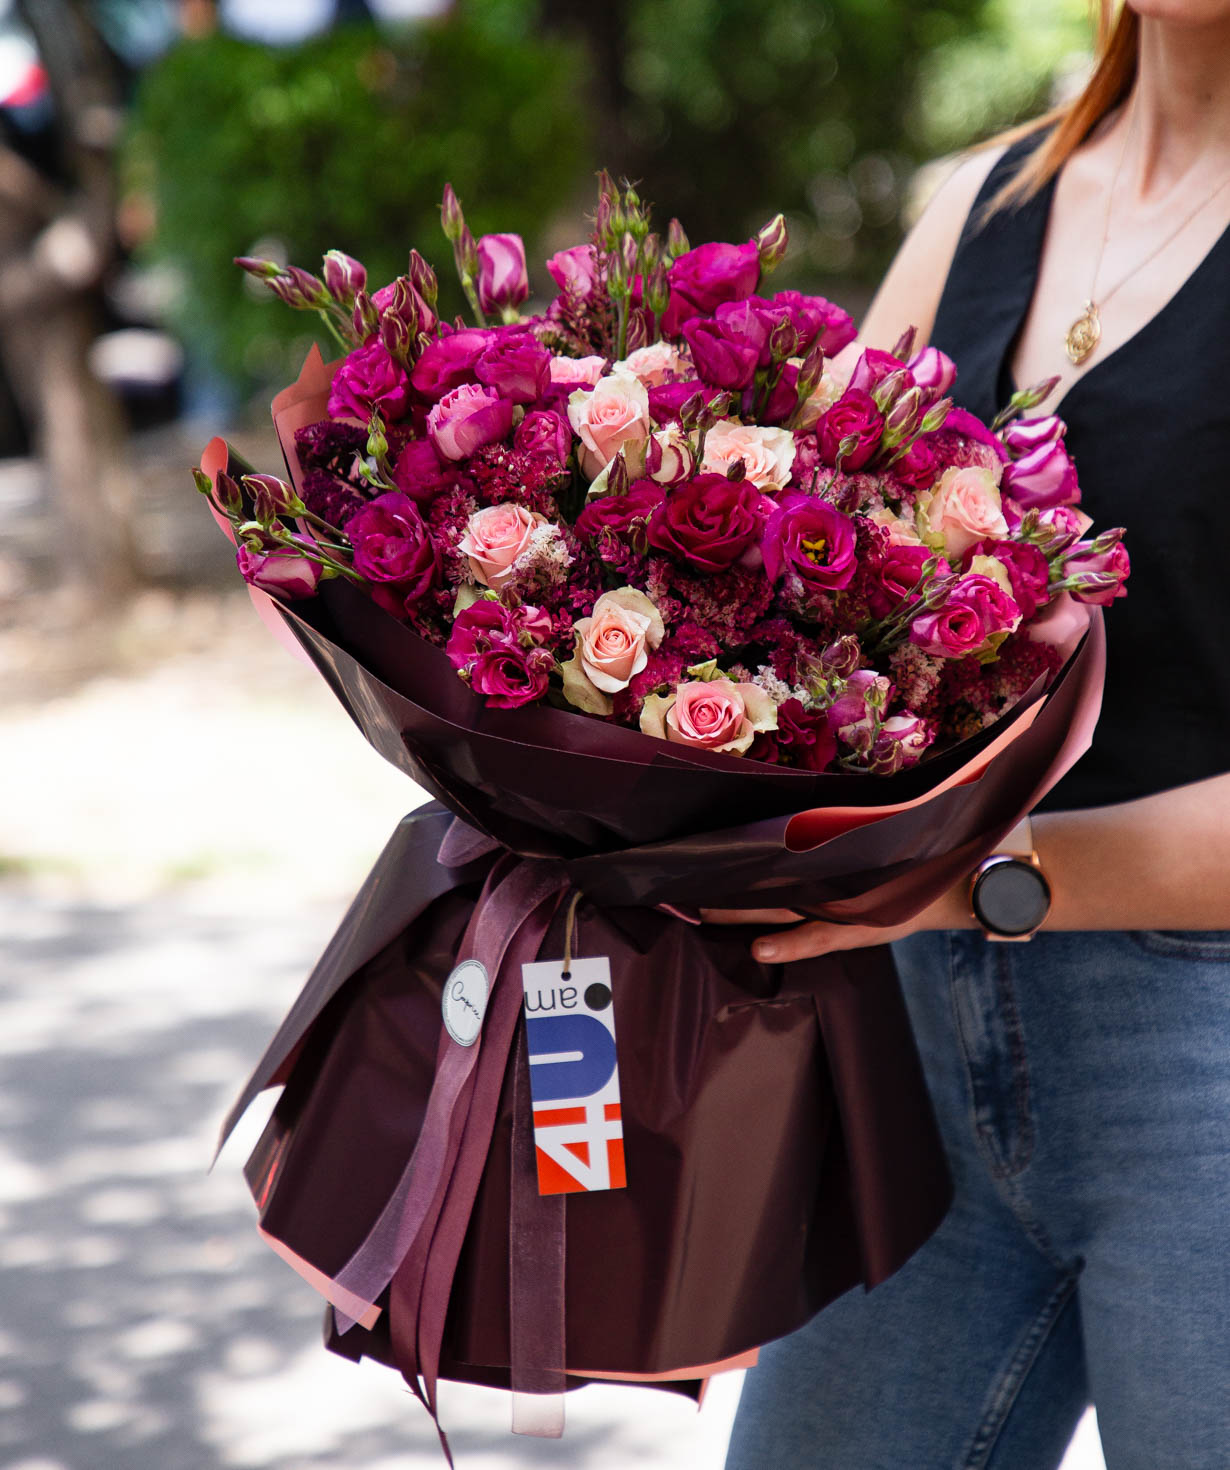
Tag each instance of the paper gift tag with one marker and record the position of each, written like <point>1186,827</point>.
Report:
<point>574,1079</point>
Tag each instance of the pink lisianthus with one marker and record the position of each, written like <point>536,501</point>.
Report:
<point>450,361</point>
<point>933,371</point>
<point>503,282</point>
<point>972,612</point>
<point>900,744</point>
<point>1043,477</point>
<point>611,416</point>
<point>1028,571</point>
<point>494,538</point>
<point>281,572</point>
<point>573,271</point>
<point>467,418</point>
<point>544,432</point>
<point>725,355</point>
<point>898,574</point>
<point>1097,570</point>
<point>368,379</point>
<point>713,714</point>
<point>516,366</point>
<point>669,456</point>
<point>815,320</point>
<point>666,401</point>
<point>1023,436</point>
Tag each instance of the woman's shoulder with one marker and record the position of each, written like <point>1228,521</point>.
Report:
<point>910,294</point>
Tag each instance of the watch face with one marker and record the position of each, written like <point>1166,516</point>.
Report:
<point>1011,897</point>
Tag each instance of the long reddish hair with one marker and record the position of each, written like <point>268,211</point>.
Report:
<point>1117,52</point>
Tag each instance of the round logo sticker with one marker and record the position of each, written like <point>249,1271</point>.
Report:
<point>465,1001</point>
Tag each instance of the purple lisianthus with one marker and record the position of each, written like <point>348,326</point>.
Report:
<point>503,282</point>
<point>368,379</point>
<point>702,279</point>
<point>516,365</point>
<point>933,371</point>
<point>1028,571</point>
<point>709,523</point>
<point>816,320</point>
<point>1099,569</point>
<point>811,540</point>
<point>281,572</point>
<point>391,544</point>
<point>853,420</point>
<point>466,419</point>
<point>1043,477</point>
<point>1022,436</point>
<point>573,271</point>
<point>450,361</point>
<point>544,432</point>
<point>725,353</point>
<point>974,609</point>
<point>666,400</point>
<point>850,714</point>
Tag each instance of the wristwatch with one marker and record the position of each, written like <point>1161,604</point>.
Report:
<point>1009,896</point>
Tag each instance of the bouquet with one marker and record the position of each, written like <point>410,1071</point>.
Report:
<point>666,607</point>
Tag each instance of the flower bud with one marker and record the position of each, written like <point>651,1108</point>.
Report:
<point>603,226</point>
<point>902,419</point>
<point>676,240</point>
<point>840,659</point>
<point>771,243</point>
<point>423,278</point>
<point>638,331</point>
<point>365,317</point>
<point>810,372</point>
<point>272,492</point>
<point>1035,394</point>
<point>262,270</point>
<point>377,440</point>
<point>934,417</point>
<point>503,282</point>
<point>887,391</point>
<point>396,338</point>
<point>451,218</point>
<point>344,277</point>
<point>904,344</point>
<point>617,478</point>
<point>651,252</point>
<point>657,289</point>
<point>783,341</point>
<point>690,409</point>
<point>465,254</point>
<point>228,494</point>
<point>299,289</point>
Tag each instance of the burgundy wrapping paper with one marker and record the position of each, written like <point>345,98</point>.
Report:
<point>779,1139</point>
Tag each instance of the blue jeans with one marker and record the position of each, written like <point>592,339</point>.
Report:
<point>1082,1085</point>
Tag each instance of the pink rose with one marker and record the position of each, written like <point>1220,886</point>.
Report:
<point>494,538</point>
<point>654,365</point>
<point>450,361</point>
<point>767,454</point>
<point>502,280</point>
<point>855,422</point>
<point>714,714</point>
<point>613,415</point>
<point>466,419</point>
<point>576,372</point>
<point>367,379</point>
<point>974,609</point>
<point>544,432</point>
<point>964,509</point>
<point>613,643</point>
<point>280,572</point>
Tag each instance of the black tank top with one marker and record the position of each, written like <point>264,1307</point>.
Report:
<point>1149,430</point>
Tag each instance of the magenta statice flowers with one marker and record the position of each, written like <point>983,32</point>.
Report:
<point>669,498</point>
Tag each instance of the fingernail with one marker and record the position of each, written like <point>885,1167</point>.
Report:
<point>764,950</point>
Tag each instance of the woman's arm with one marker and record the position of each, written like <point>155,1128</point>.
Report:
<point>1162,862</point>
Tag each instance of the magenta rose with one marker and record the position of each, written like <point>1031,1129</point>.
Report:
<point>503,283</point>
<point>1028,571</point>
<point>498,651</point>
<point>898,574</point>
<point>617,512</point>
<point>573,271</point>
<point>1023,436</point>
<point>812,540</point>
<point>666,400</point>
<point>368,379</point>
<point>709,522</point>
<point>803,736</point>
<point>974,608</point>
<point>1098,570</point>
<point>510,677</point>
<point>702,279</point>
<point>544,432</point>
<point>517,366</point>
<point>281,572</point>
<point>725,354</point>
<point>855,418</point>
<point>816,320</point>
<point>466,419</point>
<point>391,544</point>
<point>450,361</point>
<point>1044,477</point>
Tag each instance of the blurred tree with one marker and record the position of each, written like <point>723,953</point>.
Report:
<point>57,243</point>
<point>346,141</point>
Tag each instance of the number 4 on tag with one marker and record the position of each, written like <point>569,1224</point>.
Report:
<point>574,1076</point>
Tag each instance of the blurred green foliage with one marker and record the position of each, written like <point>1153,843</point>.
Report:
<point>345,141</point>
<point>723,111</point>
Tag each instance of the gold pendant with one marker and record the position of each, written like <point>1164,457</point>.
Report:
<point>1083,335</point>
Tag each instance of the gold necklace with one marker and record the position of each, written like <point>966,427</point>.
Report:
<point>1086,331</point>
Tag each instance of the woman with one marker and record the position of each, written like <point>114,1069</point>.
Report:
<point>1082,1080</point>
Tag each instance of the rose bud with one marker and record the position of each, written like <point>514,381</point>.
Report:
<point>344,277</point>
<point>281,572</point>
<point>933,371</point>
<point>503,283</point>
<point>676,240</point>
<point>452,220</point>
<point>772,241</point>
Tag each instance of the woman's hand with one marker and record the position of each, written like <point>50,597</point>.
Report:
<point>816,936</point>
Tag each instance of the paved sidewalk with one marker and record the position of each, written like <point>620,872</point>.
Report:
<point>160,914</point>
